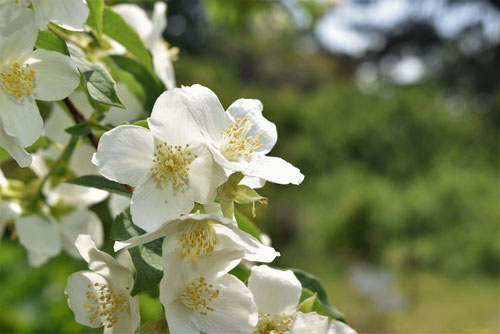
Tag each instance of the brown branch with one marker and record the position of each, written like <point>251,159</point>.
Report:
<point>79,118</point>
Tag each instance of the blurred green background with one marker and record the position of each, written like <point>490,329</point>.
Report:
<point>394,119</point>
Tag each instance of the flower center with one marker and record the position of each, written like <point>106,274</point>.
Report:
<point>198,294</point>
<point>17,80</point>
<point>171,163</point>
<point>235,143</point>
<point>273,324</point>
<point>197,238</point>
<point>104,303</point>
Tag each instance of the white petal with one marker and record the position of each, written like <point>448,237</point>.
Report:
<point>274,170</point>
<point>233,237</point>
<point>206,111</point>
<point>159,22</point>
<point>102,263</point>
<point>76,289</point>
<point>166,229</point>
<point>338,327</point>
<point>153,204</point>
<point>179,319</point>
<point>38,235</point>
<point>69,14</point>
<point>20,118</point>
<point>178,272</point>
<point>56,75</point>
<point>306,323</point>
<point>117,204</point>
<point>19,33</point>
<point>215,264</point>
<point>74,195</point>
<point>171,120</point>
<point>173,280</point>
<point>125,154</point>
<point>128,321</point>
<point>3,181</point>
<point>37,260</point>
<point>205,176</point>
<point>81,101</point>
<point>15,149</point>
<point>55,123</point>
<point>9,211</point>
<point>81,163</point>
<point>162,63</point>
<point>252,110</point>
<point>234,311</point>
<point>275,291</point>
<point>253,182</point>
<point>135,17</point>
<point>80,222</point>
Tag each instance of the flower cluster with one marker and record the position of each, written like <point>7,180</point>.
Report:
<point>184,168</point>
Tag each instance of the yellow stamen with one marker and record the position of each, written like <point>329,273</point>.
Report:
<point>198,294</point>
<point>273,324</point>
<point>17,80</point>
<point>197,238</point>
<point>104,304</point>
<point>170,164</point>
<point>235,143</point>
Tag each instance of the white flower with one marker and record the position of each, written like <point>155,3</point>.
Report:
<point>117,204</point>
<point>168,165</point>
<point>101,297</point>
<point>45,238</point>
<point>277,295</point>
<point>204,298</point>
<point>150,31</point>
<point>201,234</point>
<point>79,165</point>
<point>240,138</point>
<point>9,213</point>
<point>26,75</point>
<point>338,327</point>
<point>69,14</point>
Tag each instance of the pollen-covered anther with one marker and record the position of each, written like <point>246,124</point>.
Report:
<point>18,80</point>
<point>197,238</point>
<point>273,324</point>
<point>198,294</point>
<point>104,303</point>
<point>171,164</point>
<point>235,143</point>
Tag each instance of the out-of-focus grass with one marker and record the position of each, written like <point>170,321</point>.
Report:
<point>436,305</point>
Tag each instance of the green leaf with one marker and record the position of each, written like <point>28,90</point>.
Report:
<point>241,272</point>
<point>153,87</point>
<point>100,182</point>
<point>147,258</point>
<point>99,84</point>
<point>245,224</point>
<point>96,8</point>
<point>312,283</point>
<point>50,41</point>
<point>81,129</point>
<point>4,155</point>
<point>115,27</point>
